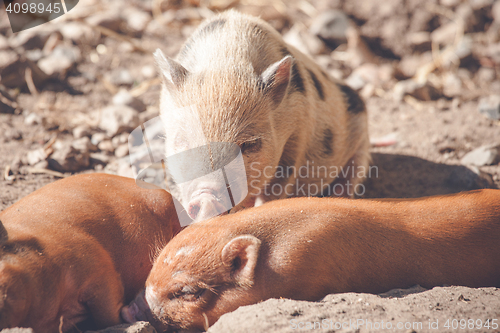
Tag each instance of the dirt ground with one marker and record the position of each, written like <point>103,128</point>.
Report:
<point>429,72</point>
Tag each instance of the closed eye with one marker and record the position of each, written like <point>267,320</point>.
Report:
<point>189,293</point>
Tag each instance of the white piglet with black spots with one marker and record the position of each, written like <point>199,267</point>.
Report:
<point>235,80</point>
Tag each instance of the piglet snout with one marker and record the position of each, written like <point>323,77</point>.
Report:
<point>137,310</point>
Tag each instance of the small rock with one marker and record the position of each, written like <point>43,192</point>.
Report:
<point>81,131</point>
<point>123,97</point>
<point>69,159</point>
<point>490,107</point>
<point>120,139</point>
<point>120,77</point>
<point>77,32</point>
<point>97,138</point>
<point>484,155</point>
<point>422,91</point>
<point>355,81</point>
<point>450,3</point>
<point>303,40</point>
<point>7,58</point>
<point>33,119</point>
<point>122,150</point>
<point>136,20</point>
<point>34,55</point>
<point>485,75</point>
<point>99,158</point>
<point>331,26</point>
<point>148,71</point>
<point>138,327</point>
<point>60,60</point>
<point>84,144</point>
<point>35,156</point>
<point>445,34</point>
<point>106,145</point>
<point>116,119</point>
<point>41,165</point>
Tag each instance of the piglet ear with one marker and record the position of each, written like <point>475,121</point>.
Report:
<point>3,234</point>
<point>173,74</point>
<point>241,254</point>
<point>276,78</point>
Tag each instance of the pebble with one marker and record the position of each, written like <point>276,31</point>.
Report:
<point>485,75</point>
<point>81,131</point>
<point>120,139</point>
<point>84,144</point>
<point>123,97</point>
<point>148,71</point>
<point>41,165</point>
<point>452,85</point>
<point>122,150</point>
<point>445,34</point>
<point>484,155</point>
<point>331,25</point>
<point>30,39</point>
<point>137,20</point>
<point>35,156</point>
<point>422,91</point>
<point>97,138</point>
<point>106,145</point>
<point>490,107</point>
<point>60,60</point>
<point>77,32</point>
<point>120,77</point>
<point>99,158</point>
<point>33,119</point>
<point>116,119</point>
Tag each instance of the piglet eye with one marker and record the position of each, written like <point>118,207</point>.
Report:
<point>189,294</point>
<point>251,146</point>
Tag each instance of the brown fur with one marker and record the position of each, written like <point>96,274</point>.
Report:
<point>307,248</point>
<point>77,249</point>
<point>233,69</point>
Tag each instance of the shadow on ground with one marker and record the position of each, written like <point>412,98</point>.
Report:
<point>401,176</point>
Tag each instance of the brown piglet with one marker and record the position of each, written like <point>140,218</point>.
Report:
<point>77,249</point>
<point>306,248</point>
